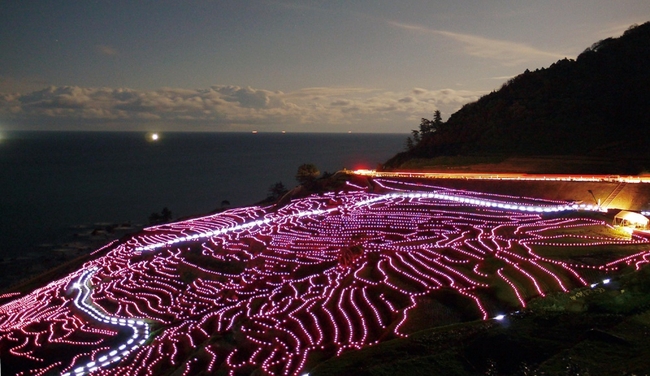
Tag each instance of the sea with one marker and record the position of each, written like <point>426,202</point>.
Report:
<point>55,183</point>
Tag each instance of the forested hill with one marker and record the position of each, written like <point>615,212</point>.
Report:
<point>597,105</point>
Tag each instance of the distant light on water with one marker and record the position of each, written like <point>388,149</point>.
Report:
<point>153,136</point>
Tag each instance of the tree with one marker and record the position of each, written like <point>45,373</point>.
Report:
<point>164,217</point>
<point>426,127</point>
<point>307,174</point>
<point>416,135</point>
<point>409,143</point>
<point>437,119</point>
<point>166,214</point>
<point>429,126</point>
<point>277,190</point>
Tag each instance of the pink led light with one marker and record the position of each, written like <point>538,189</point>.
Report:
<point>326,273</point>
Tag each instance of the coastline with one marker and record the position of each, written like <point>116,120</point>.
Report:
<point>52,181</point>
<point>70,245</point>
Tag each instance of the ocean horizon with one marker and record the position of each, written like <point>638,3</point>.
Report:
<point>53,183</point>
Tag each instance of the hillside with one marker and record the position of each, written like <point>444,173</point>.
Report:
<point>593,332</point>
<point>290,289</point>
<point>594,106</point>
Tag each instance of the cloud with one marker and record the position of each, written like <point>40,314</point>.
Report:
<point>106,50</point>
<point>501,78</point>
<point>508,53</point>
<point>341,102</point>
<point>246,97</point>
<point>229,108</point>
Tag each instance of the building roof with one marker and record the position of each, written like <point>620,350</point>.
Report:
<point>632,217</point>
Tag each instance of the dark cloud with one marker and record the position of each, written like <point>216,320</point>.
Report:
<point>341,102</point>
<point>246,97</point>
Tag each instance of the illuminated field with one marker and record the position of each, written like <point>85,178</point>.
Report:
<point>280,289</point>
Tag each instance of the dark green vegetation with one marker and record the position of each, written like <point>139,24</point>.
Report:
<point>595,107</point>
<point>164,217</point>
<point>600,331</point>
<point>307,174</point>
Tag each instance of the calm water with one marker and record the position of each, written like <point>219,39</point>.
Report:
<point>53,181</point>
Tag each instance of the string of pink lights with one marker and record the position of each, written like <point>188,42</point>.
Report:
<point>262,288</point>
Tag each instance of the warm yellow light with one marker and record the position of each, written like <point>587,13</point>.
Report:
<point>364,172</point>
<point>153,136</point>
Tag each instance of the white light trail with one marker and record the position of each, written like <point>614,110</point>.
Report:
<point>377,198</point>
<point>140,327</point>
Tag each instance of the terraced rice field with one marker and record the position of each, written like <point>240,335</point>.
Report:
<point>277,290</point>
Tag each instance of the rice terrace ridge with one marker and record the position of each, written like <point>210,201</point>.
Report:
<point>280,288</point>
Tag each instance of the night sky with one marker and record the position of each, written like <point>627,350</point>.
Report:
<point>308,66</point>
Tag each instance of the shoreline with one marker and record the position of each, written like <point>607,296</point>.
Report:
<point>42,259</point>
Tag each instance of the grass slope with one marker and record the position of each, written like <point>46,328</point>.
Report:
<point>601,331</point>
